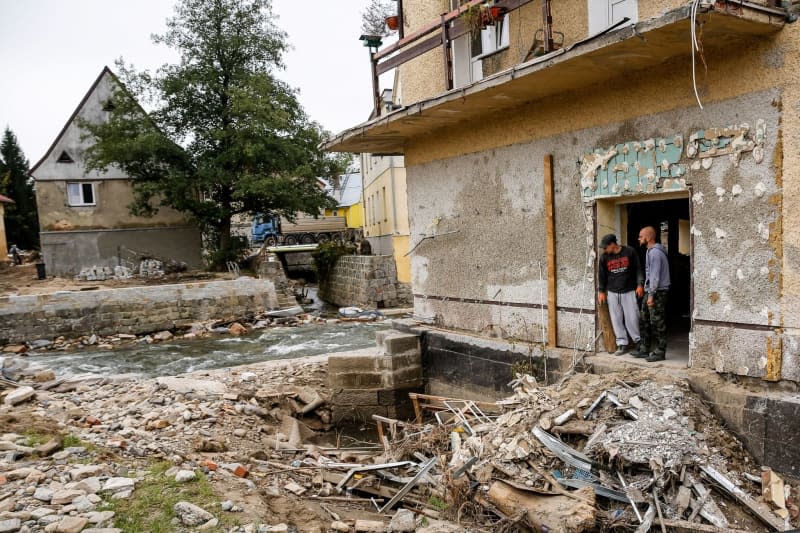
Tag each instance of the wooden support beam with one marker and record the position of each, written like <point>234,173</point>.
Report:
<point>550,228</point>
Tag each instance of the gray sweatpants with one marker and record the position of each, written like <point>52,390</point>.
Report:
<point>624,312</point>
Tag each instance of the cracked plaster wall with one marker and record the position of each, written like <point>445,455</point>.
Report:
<point>763,69</point>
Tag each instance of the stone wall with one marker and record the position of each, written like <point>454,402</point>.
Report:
<point>132,310</point>
<point>365,281</point>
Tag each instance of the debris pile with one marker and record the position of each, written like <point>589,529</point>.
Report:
<point>597,453</point>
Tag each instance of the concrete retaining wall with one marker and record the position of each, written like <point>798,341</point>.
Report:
<point>130,310</point>
<point>365,281</point>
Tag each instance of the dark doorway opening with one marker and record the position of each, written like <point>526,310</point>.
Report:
<point>672,222</point>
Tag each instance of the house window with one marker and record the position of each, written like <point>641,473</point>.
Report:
<point>604,13</point>
<point>335,213</point>
<point>64,158</point>
<point>80,193</point>
<point>470,49</point>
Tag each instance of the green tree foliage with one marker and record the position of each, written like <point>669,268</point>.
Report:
<point>21,219</point>
<point>224,136</point>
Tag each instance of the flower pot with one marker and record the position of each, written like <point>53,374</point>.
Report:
<point>497,12</point>
<point>393,22</point>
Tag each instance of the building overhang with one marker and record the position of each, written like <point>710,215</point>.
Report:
<point>582,64</point>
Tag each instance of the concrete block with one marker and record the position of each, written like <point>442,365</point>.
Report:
<point>357,397</point>
<point>400,343</point>
<point>359,380</point>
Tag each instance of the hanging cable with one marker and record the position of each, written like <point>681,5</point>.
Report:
<point>695,47</point>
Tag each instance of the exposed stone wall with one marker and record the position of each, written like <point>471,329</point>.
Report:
<point>365,281</point>
<point>130,310</point>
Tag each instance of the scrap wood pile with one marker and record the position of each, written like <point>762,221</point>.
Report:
<point>599,454</point>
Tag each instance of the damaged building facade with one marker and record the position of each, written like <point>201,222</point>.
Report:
<point>523,148</point>
<point>84,216</point>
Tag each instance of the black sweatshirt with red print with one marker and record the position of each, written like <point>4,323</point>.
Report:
<point>620,272</point>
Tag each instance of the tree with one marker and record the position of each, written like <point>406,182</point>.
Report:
<point>21,218</point>
<point>224,135</point>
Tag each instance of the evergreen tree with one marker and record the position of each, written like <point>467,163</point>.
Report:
<point>224,136</point>
<point>21,219</point>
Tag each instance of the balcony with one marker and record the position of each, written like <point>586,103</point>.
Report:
<point>581,64</point>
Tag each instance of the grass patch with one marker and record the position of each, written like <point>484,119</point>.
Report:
<point>34,439</point>
<point>437,503</point>
<point>150,507</point>
<point>72,441</point>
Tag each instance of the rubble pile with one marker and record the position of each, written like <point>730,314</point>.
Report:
<point>625,452</point>
<point>598,454</point>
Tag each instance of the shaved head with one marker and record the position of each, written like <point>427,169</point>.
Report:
<point>647,236</point>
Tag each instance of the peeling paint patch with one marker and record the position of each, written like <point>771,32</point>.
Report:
<point>736,190</point>
<point>731,141</point>
<point>759,189</point>
<point>714,273</point>
<point>720,233</point>
<point>696,232</point>
<point>713,297</point>
<point>763,231</point>
<point>739,274</point>
<point>720,193</point>
<point>697,198</point>
<point>636,166</point>
<point>764,271</point>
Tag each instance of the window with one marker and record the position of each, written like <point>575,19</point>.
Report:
<point>80,193</point>
<point>470,49</point>
<point>604,13</point>
<point>64,158</point>
<point>335,213</point>
<point>385,211</point>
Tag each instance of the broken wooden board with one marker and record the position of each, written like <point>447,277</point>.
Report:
<point>546,513</point>
<point>760,510</point>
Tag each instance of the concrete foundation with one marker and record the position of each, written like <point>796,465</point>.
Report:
<point>376,381</point>
<point>131,310</point>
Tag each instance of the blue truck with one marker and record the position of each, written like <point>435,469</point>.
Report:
<point>305,229</point>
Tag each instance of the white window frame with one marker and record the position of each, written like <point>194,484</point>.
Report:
<point>76,193</point>
<point>467,65</point>
<point>601,13</point>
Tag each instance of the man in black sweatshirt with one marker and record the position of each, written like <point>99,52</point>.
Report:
<point>620,281</point>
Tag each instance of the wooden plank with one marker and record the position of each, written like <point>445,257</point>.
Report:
<point>683,525</point>
<point>760,510</point>
<point>609,339</point>
<point>410,53</point>
<point>550,228</point>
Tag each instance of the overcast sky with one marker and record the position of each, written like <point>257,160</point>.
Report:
<point>52,50</point>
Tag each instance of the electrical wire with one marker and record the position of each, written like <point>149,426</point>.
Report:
<point>695,47</point>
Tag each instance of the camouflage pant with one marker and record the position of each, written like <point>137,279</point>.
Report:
<point>653,322</point>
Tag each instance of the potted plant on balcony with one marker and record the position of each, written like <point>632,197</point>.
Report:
<point>476,17</point>
<point>380,18</point>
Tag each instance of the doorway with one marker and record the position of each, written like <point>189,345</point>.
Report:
<point>671,219</point>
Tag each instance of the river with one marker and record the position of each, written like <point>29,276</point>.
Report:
<point>188,355</point>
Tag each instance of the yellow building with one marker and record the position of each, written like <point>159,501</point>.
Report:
<point>348,195</point>
<point>521,151</point>
<point>386,202</point>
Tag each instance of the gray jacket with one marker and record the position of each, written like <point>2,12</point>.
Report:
<point>656,269</point>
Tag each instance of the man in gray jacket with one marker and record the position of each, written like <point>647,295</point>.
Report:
<point>653,312</point>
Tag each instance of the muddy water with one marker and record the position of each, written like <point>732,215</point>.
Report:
<point>179,356</point>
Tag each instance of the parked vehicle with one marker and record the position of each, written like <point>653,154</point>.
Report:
<point>306,229</point>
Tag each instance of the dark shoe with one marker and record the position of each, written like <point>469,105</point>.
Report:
<point>641,351</point>
<point>656,356</point>
<point>621,349</point>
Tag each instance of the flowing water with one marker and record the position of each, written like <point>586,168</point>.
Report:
<point>187,355</point>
